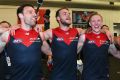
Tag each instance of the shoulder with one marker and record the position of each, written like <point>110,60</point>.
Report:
<point>80,30</point>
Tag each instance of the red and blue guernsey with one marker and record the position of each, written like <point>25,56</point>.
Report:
<point>64,50</point>
<point>95,57</point>
<point>24,50</point>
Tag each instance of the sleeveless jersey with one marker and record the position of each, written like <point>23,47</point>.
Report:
<point>64,50</point>
<point>95,53</point>
<point>24,50</point>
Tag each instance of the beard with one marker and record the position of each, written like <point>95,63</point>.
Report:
<point>66,24</point>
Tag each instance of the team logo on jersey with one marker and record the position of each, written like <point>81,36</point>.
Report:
<point>104,42</point>
<point>34,39</point>
<point>60,39</point>
<point>91,42</point>
<point>16,41</point>
<point>73,38</point>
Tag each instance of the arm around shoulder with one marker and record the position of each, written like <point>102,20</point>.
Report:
<point>80,42</point>
<point>80,31</point>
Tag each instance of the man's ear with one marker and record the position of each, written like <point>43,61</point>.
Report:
<point>20,15</point>
<point>58,18</point>
<point>89,24</point>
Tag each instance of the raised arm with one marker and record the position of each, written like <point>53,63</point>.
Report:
<point>113,50</point>
<point>80,42</point>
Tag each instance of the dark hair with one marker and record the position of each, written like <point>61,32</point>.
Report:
<point>5,22</point>
<point>57,12</point>
<point>47,14</point>
<point>21,8</point>
<point>103,26</point>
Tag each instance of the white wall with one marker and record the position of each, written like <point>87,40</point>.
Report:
<point>8,13</point>
<point>110,16</point>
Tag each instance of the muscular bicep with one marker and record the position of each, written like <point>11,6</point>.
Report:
<point>48,34</point>
<point>80,42</point>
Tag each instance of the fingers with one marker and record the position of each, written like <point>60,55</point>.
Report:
<point>14,28</point>
<point>12,31</point>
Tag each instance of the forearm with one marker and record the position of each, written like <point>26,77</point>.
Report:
<point>114,51</point>
<point>46,48</point>
<point>48,52</point>
<point>2,45</point>
<point>3,40</point>
<point>116,54</point>
<point>80,42</point>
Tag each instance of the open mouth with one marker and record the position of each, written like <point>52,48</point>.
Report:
<point>34,19</point>
<point>68,19</point>
<point>96,26</point>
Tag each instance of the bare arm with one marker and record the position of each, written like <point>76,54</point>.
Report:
<point>112,50</point>
<point>2,30</point>
<point>2,45</point>
<point>48,34</point>
<point>46,48</point>
<point>80,31</point>
<point>80,42</point>
<point>3,40</point>
<point>109,34</point>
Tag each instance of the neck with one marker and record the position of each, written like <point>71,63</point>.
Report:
<point>96,32</point>
<point>65,28</point>
<point>25,26</point>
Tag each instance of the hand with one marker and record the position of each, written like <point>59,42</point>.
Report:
<point>13,28</point>
<point>2,30</point>
<point>39,28</point>
<point>49,63</point>
<point>49,60</point>
<point>109,35</point>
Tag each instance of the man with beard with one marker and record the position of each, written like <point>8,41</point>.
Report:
<point>24,48</point>
<point>64,47</point>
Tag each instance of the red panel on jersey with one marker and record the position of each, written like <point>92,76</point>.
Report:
<point>25,37</point>
<point>66,36</point>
